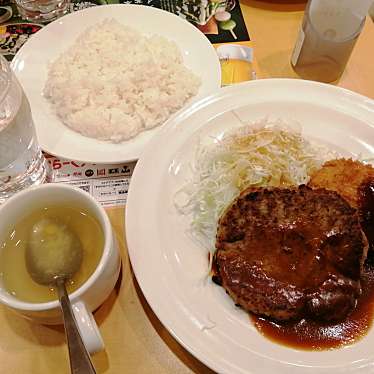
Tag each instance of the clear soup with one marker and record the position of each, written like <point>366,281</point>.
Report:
<point>13,271</point>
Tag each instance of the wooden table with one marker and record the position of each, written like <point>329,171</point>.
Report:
<point>136,342</point>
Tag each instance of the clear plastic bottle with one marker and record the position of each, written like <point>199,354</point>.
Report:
<point>328,34</point>
<point>21,161</point>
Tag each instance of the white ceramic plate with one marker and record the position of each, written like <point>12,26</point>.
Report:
<point>170,266</point>
<point>31,63</point>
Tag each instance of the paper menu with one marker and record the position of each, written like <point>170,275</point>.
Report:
<point>107,183</point>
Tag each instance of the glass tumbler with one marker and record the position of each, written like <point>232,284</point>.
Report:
<point>42,10</point>
<point>327,37</point>
<point>22,163</point>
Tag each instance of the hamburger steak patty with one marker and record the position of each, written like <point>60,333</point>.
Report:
<point>289,254</point>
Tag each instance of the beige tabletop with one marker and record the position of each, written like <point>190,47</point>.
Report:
<point>274,28</point>
<point>135,340</point>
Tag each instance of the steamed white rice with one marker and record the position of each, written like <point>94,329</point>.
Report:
<point>115,82</point>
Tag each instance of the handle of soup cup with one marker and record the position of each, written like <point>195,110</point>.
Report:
<point>87,327</point>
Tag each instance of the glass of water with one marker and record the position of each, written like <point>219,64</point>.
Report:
<point>42,10</point>
<point>328,34</point>
<point>21,161</point>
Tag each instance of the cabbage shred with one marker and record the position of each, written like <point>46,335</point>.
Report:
<point>269,155</point>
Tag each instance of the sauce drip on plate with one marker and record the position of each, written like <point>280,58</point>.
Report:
<point>312,335</point>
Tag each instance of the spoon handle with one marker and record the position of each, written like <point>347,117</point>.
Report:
<point>80,362</point>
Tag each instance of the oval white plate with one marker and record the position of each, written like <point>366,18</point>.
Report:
<point>171,267</point>
<point>31,66</point>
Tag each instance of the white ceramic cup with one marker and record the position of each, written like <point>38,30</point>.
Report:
<point>99,285</point>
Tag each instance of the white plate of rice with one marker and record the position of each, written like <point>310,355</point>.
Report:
<point>81,109</point>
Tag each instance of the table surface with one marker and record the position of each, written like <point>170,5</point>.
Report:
<point>135,340</point>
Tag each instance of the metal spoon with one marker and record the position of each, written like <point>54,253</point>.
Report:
<point>54,255</point>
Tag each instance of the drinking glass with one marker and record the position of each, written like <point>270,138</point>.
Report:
<point>21,161</point>
<point>42,10</point>
<point>236,63</point>
<point>328,34</point>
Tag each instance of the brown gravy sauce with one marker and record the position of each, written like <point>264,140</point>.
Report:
<point>312,335</point>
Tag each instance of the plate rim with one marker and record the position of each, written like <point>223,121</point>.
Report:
<point>91,158</point>
<point>135,192</point>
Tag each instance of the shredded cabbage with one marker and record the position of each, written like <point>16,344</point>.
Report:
<point>258,155</point>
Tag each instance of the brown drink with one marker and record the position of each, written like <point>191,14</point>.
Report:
<point>323,48</point>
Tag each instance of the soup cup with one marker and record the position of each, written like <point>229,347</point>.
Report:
<point>94,290</point>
